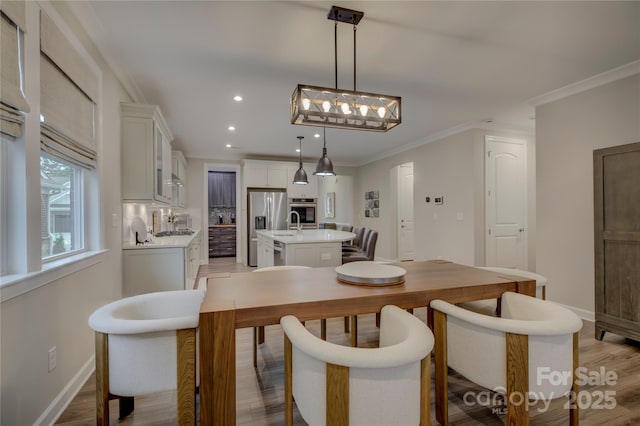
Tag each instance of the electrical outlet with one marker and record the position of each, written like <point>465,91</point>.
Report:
<point>52,359</point>
<point>439,200</point>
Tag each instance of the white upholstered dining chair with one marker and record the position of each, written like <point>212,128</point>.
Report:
<point>338,385</point>
<point>147,344</point>
<point>258,332</point>
<point>514,354</point>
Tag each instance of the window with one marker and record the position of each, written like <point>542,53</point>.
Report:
<point>67,142</point>
<point>61,208</point>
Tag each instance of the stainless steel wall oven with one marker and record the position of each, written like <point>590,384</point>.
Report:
<point>307,208</point>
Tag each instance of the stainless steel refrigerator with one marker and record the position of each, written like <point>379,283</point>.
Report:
<point>267,210</point>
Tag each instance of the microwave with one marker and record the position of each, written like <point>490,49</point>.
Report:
<point>307,208</point>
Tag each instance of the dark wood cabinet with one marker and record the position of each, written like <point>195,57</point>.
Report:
<point>222,189</point>
<point>616,173</point>
<point>222,241</point>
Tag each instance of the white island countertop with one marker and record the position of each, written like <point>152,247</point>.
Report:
<point>173,241</point>
<point>307,236</point>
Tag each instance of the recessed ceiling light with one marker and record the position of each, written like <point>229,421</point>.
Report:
<point>237,98</point>
<point>228,145</point>
<point>317,135</point>
<point>231,128</point>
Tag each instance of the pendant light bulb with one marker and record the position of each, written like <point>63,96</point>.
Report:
<point>300,178</point>
<point>325,166</point>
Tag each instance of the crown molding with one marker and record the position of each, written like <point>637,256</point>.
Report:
<point>614,74</point>
<point>84,12</point>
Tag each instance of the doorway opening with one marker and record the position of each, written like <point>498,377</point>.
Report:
<point>221,210</point>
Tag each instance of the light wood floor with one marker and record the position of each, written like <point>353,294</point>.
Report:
<point>260,393</point>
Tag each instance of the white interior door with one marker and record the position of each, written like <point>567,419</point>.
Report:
<point>505,202</point>
<point>405,212</point>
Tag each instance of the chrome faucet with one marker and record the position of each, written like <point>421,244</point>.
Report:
<point>299,227</point>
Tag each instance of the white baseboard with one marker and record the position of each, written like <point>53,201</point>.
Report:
<point>582,313</point>
<point>64,398</point>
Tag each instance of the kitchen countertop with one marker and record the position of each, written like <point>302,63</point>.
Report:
<point>308,236</point>
<point>225,225</point>
<point>173,241</point>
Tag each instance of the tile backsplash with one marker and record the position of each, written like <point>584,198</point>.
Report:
<point>145,212</point>
<point>222,215</point>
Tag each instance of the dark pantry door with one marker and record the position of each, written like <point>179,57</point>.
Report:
<point>617,240</point>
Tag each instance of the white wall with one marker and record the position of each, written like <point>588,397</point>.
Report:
<point>342,187</point>
<point>452,167</point>
<point>56,314</point>
<point>568,130</point>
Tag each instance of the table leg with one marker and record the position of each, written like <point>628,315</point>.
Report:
<point>218,368</point>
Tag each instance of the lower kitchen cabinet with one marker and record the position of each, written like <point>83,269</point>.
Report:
<point>222,241</point>
<point>147,270</point>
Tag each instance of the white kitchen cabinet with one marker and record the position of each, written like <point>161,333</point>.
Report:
<point>153,269</point>
<point>265,252</point>
<point>179,171</point>
<point>157,268</point>
<point>264,174</point>
<point>315,255</point>
<point>145,154</point>
<point>302,191</point>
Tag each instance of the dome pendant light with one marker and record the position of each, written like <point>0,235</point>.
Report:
<point>300,178</point>
<point>325,166</point>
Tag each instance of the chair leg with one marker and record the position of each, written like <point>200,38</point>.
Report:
<point>261,334</point>
<point>574,413</point>
<point>125,406</point>
<point>337,395</point>
<point>425,391</point>
<point>186,374</point>
<point>102,379</point>
<point>442,388</point>
<point>517,360</point>
<point>288,389</point>
<point>255,346</point>
<point>346,324</point>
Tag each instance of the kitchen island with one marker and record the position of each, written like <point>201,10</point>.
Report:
<point>315,248</point>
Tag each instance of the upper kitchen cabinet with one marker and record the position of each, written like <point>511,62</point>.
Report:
<point>145,154</point>
<point>179,178</point>
<point>302,191</point>
<point>264,174</point>
<point>222,190</point>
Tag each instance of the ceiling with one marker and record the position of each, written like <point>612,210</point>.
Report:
<point>455,64</point>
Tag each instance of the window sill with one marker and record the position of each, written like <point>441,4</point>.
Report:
<point>12,286</point>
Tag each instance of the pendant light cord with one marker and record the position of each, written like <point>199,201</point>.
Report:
<point>355,29</point>
<point>335,50</point>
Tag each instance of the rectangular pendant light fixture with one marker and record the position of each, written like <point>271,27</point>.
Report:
<point>344,109</point>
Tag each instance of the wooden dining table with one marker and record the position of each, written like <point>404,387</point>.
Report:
<point>245,299</point>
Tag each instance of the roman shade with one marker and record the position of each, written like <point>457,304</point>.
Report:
<point>68,88</point>
<point>13,104</point>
